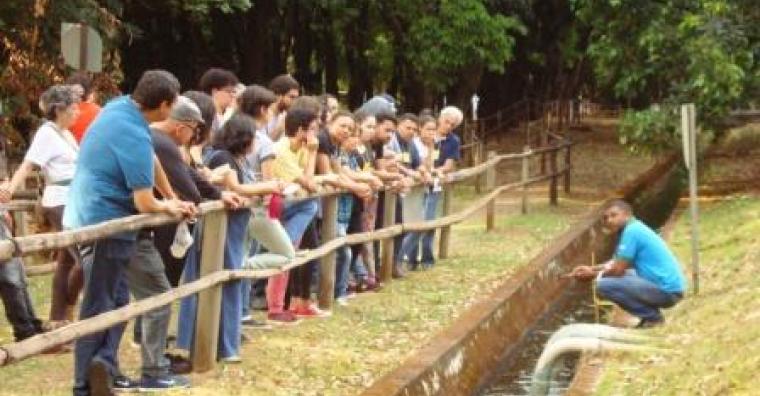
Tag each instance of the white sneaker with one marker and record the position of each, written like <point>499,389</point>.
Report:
<point>342,301</point>
<point>322,313</point>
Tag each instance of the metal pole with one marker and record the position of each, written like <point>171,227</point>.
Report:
<point>83,46</point>
<point>688,125</point>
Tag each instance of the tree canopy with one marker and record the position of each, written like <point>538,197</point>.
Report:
<point>636,53</point>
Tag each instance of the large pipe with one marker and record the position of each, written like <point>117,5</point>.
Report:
<point>544,370</point>
<point>594,330</point>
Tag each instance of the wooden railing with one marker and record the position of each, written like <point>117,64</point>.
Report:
<point>213,275</point>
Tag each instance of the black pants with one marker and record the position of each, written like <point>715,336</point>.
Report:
<point>299,283</point>
<point>379,224</point>
<point>163,239</point>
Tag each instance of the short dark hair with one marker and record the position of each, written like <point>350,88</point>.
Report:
<point>622,205</point>
<point>236,135</point>
<point>156,87</point>
<point>425,118</point>
<point>253,98</point>
<point>298,118</point>
<point>208,112</point>
<point>216,78</point>
<point>342,113</point>
<point>283,83</point>
<point>83,79</point>
<point>408,117</point>
<point>309,103</point>
<point>361,115</point>
<point>384,116</point>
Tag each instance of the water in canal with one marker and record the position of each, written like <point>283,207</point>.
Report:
<point>517,367</point>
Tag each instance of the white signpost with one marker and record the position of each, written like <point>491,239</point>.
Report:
<point>689,138</point>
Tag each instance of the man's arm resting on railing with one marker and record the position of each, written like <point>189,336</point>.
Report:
<point>146,202</point>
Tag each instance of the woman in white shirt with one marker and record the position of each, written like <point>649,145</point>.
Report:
<point>54,150</point>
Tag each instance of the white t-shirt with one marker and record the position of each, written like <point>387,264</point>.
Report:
<point>56,152</point>
<point>421,148</point>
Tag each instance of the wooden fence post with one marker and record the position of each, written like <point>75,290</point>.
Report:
<point>477,159</point>
<point>481,179</point>
<point>544,143</point>
<point>327,263</point>
<point>389,219</point>
<point>554,176</point>
<point>214,234</point>
<point>443,247</point>
<point>490,185</point>
<point>525,177</point>
<point>568,166</point>
<point>20,223</point>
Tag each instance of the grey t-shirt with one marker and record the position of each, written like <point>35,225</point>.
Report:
<point>264,151</point>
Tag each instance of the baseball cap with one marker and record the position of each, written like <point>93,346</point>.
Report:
<point>185,110</point>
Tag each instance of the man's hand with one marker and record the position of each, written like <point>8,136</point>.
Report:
<point>427,179</point>
<point>178,208</point>
<point>582,272</point>
<point>231,200</point>
<point>308,184</point>
<point>376,183</point>
<point>312,143</point>
<point>361,190</point>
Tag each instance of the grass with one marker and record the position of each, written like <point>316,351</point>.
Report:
<point>358,344</point>
<point>714,336</point>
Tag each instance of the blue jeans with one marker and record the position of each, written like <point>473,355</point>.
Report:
<point>105,289</point>
<point>636,295</point>
<point>410,246</point>
<point>342,263</point>
<point>231,310</point>
<point>296,216</point>
<point>247,284</point>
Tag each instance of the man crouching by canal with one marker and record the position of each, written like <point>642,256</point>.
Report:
<point>643,276</point>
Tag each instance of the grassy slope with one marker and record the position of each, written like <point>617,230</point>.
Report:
<point>715,336</point>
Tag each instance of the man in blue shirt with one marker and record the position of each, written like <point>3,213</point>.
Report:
<point>644,275</point>
<point>115,178</point>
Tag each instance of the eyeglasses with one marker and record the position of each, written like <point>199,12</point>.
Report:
<point>196,129</point>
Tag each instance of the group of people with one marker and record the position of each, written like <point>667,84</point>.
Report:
<point>157,150</point>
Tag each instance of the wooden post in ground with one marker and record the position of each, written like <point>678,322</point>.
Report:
<point>490,185</point>
<point>327,263</point>
<point>443,247</point>
<point>525,177</point>
<point>214,234</point>
<point>480,180</point>
<point>389,219</point>
<point>568,166</point>
<point>554,177</point>
<point>19,223</point>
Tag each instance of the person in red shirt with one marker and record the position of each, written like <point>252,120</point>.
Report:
<point>88,108</point>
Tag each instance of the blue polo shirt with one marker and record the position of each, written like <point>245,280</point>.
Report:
<point>448,148</point>
<point>115,159</point>
<point>648,254</point>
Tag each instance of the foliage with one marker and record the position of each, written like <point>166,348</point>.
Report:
<point>651,131</point>
<point>458,34</point>
<point>30,61</point>
<point>672,52</point>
